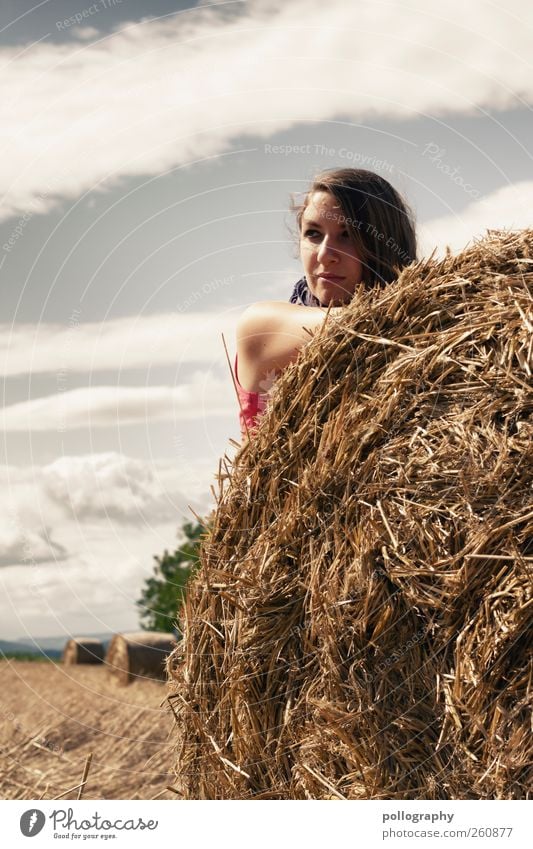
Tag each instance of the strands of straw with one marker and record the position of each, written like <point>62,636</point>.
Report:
<point>360,625</point>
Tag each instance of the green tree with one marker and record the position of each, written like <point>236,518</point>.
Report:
<point>163,593</point>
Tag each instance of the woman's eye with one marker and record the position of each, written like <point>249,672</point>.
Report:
<point>312,234</point>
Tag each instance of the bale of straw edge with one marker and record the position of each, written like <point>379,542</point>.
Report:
<point>83,650</point>
<point>139,655</point>
<point>360,626</point>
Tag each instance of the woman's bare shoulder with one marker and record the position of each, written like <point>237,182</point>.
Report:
<point>281,312</point>
<point>270,335</point>
<point>264,309</point>
<point>260,319</point>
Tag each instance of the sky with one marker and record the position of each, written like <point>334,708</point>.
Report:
<point>150,154</point>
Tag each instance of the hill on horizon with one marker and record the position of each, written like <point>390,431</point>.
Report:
<point>48,645</point>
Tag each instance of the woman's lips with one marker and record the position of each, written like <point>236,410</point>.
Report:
<point>330,278</point>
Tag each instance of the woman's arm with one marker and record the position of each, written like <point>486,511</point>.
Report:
<point>270,335</point>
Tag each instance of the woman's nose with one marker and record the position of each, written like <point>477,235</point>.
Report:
<point>327,251</point>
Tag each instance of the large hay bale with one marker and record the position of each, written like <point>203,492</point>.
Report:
<point>83,650</point>
<point>359,624</point>
<point>142,654</point>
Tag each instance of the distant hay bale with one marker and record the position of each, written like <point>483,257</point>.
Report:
<point>360,626</point>
<point>139,655</point>
<point>83,650</point>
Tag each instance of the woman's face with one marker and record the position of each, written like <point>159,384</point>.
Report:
<point>330,260</point>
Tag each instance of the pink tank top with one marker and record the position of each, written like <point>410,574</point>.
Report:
<point>251,405</point>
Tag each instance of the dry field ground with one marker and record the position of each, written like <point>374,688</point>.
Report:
<point>52,717</point>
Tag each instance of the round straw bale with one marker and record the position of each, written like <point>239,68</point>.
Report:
<point>83,650</point>
<point>360,625</point>
<point>139,655</point>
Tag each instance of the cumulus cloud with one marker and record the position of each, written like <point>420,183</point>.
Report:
<point>118,406</point>
<point>26,546</point>
<point>116,344</point>
<point>66,508</point>
<point>507,208</point>
<point>94,591</point>
<point>111,486</point>
<point>161,93</point>
<point>28,530</point>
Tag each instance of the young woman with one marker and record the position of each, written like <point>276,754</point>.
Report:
<point>355,231</point>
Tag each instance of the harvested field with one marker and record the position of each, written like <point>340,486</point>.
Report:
<point>52,717</point>
<point>360,625</point>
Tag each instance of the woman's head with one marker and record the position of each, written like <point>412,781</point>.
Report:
<point>355,229</point>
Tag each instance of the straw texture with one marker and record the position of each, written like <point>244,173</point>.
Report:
<point>360,626</point>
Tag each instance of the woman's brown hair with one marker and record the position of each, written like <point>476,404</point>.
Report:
<point>378,219</point>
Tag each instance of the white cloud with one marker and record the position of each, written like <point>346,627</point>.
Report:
<point>27,545</point>
<point>113,487</point>
<point>158,94</point>
<point>118,406</point>
<point>79,535</point>
<point>93,591</point>
<point>29,525</point>
<point>116,344</point>
<point>59,510</point>
<point>507,208</point>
